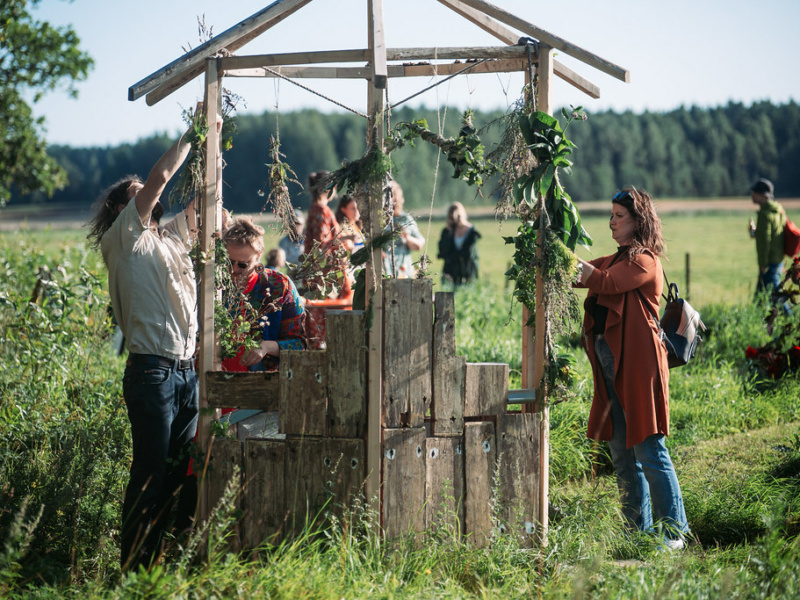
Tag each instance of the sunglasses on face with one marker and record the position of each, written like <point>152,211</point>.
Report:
<point>240,264</point>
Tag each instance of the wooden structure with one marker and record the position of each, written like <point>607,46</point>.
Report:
<point>381,433</point>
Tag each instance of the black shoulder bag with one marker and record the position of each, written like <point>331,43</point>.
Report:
<point>679,326</point>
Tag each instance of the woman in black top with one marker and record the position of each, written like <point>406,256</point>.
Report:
<point>458,247</point>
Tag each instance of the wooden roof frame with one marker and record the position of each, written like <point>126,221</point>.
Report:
<point>490,18</point>
<point>215,58</point>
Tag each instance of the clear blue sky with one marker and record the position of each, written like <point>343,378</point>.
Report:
<point>682,52</point>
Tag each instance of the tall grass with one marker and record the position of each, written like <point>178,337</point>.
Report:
<point>64,451</point>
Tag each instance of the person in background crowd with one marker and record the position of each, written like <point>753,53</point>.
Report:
<point>458,247</point>
<point>276,259</point>
<point>321,225</point>
<point>397,261</point>
<point>323,230</point>
<point>630,408</point>
<point>349,219</point>
<point>293,248</point>
<point>152,287</point>
<point>768,233</point>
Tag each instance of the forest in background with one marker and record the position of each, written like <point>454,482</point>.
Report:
<point>683,153</point>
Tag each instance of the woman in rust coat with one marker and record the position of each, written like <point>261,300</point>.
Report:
<point>629,363</point>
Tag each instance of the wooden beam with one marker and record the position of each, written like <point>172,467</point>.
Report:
<point>511,37</point>
<point>206,293</point>
<point>373,287</point>
<point>455,53</point>
<point>185,68</point>
<point>377,45</point>
<point>548,38</point>
<point>418,70</point>
<point>544,103</point>
<point>231,63</point>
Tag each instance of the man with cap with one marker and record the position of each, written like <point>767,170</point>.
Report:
<point>768,233</point>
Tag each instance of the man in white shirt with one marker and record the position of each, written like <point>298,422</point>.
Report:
<point>152,287</point>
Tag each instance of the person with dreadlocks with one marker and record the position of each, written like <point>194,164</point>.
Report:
<point>151,282</point>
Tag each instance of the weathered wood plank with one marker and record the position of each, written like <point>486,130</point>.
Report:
<point>408,336</point>
<point>403,508</point>
<point>243,390</point>
<point>444,485</point>
<point>486,389</point>
<point>323,477</point>
<point>377,43</point>
<point>551,40</point>
<point>518,470</point>
<point>232,39</point>
<point>447,408</point>
<point>416,70</point>
<point>480,460</point>
<point>225,464</point>
<point>264,491</point>
<point>511,37</point>
<point>447,392</point>
<point>444,324</point>
<point>347,373</point>
<point>304,392</point>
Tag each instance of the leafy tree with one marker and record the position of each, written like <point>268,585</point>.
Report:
<point>35,57</point>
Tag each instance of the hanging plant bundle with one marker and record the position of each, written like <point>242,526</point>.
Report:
<point>190,182</point>
<point>280,175</point>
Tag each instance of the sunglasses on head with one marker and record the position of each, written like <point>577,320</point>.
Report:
<point>620,196</point>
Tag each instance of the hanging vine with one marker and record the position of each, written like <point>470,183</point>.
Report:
<point>547,210</point>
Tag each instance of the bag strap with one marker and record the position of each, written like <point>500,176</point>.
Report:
<point>648,307</point>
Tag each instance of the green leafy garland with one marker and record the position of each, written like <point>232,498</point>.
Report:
<point>547,209</point>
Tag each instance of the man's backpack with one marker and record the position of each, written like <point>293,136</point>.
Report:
<point>791,239</point>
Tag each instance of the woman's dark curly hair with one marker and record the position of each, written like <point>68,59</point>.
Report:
<point>647,235</point>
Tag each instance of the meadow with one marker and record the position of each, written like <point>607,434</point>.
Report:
<point>735,440</point>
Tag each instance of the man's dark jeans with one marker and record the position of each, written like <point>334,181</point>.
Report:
<point>162,406</point>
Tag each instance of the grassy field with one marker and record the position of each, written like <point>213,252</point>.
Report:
<point>721,255</point>
<point>735,440</point>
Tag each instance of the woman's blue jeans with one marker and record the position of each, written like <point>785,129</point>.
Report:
<point>162,408</point>
<point>648,485</point>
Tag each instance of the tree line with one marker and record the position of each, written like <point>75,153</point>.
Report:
<point>686,152</point>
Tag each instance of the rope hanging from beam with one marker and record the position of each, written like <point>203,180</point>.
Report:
<point>430,87</point>
<point>316,93</point>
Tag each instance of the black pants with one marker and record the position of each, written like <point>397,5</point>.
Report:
<point>162,408</point>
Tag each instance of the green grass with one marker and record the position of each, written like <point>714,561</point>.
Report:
<point>735,441</point>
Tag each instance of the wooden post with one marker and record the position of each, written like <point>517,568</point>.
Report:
<point>533,368</point>
<point>374,268</point>
<point>688,276</point>
<point>210,214</point>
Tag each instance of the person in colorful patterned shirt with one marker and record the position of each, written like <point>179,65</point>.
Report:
<point>274,304</point>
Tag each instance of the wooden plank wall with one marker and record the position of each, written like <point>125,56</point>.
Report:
<point>453,459</point>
